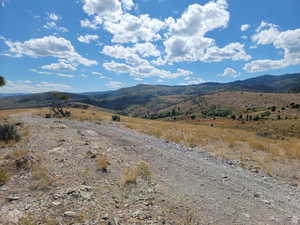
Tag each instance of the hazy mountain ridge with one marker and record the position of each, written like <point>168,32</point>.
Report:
<point>145,98</point>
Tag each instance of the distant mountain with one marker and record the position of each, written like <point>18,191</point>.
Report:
<point>143,98</point>
<point>10,95</point>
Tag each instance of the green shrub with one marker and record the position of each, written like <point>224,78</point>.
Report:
<point>4,177</point>
<point>9,132</point>
<point>116,118</point>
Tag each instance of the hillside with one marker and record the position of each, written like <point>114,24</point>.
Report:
<point>57,176</point>
<point>146,99</point>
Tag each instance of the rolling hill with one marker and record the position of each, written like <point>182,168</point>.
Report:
<point>142,99</point>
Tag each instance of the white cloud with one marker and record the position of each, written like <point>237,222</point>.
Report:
<point>87,38</point>
<point>100,76</point>
<point>130,28</point>
<point>186,39</point>
<point>97,73</point>
<point>128,4</point>
<point>51,24</point>
<point>193,81</point>
<point>288,41</point>
<point>91,24</point>
<point>229,72</point>
<point>102,7</point>
<point>144,70</point>
<point>53,16</point>
<point>114,84</point>
<point>52,73</point>
<point>47,46</point>
<point>199,19</point>
<point>33,87</point>
<point>59,66</point>
<point>203,49</point>
<point>65,75</point>
<point>131,54</point>
<point>245,27</point>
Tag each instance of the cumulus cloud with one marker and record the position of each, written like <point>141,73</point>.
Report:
<point>229,72</point>
<point>130,28</point>
<point>128,4</point>
<point>59,66</point>
<point>56,47</point>
<point>87,38</point>
<point>144,70</point>
<point>114,84</point>
<point>130,53</point>
<point>33,87</point>
<point>94,24</point>
<point>51,24</point>
<point>102,7</point>
<point>245,27</point>
<point>186,36</point>
<point>288,41</point>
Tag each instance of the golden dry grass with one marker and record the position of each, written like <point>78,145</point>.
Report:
<point>41,178</point>
<point>102,162</point>
<point>227,142</point>
<point>140,169</point>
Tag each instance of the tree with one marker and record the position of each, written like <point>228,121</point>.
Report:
<point>2,81</point>
<point>60,101</point>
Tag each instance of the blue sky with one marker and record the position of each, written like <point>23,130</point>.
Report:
<point>98,45</point>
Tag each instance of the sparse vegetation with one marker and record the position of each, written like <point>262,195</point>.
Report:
<point>4,177</point>
<point>130,174</point>
<point>8,132</point>
<point>102,162</point>
<point>116,118</point>
<point>41,178</point>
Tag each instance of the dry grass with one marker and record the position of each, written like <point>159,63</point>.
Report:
<point>131,174</point>
<point>143,170</point>
<point>34,220</point>
<point>102,162</point>
<point>41,178</point>
<point>234,143</point>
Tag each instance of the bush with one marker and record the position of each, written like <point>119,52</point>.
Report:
<point>9,132</point>
<point>116,118</point>
<point>102,162</point>
<point>4,177</point>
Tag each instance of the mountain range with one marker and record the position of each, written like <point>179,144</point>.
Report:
<point>144,98</point>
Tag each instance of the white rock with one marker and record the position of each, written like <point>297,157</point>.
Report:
<point>295,220</point>
<point>70,214</point>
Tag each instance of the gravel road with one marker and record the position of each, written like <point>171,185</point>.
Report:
<point>220,192</point>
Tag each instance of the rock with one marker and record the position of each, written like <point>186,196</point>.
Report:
<point>105,217</point>
<point>12,198</point>
<point>85,188</point>
<point>256,195</point>
<point>140,215</point>
<point>92,154</point>
<point>70,214</point>
<point>56,203</point>
<point>11,217</point>
<point>86,195</point>
<point>88,133</point>
<point>295,220</point>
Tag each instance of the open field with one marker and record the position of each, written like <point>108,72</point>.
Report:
<point>252,148</point>
<point>90,170</point>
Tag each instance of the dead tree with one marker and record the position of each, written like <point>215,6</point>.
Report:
<point>58,105</point>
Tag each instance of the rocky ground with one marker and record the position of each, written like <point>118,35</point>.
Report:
<point>63,186</point>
